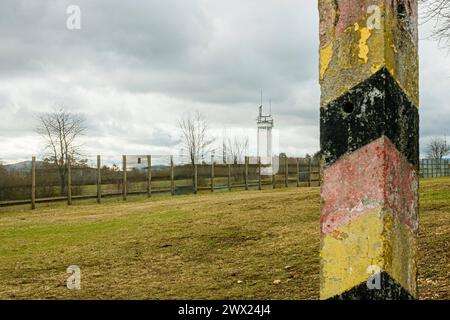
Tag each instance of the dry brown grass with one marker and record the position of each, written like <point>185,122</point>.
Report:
<point>211,246</point>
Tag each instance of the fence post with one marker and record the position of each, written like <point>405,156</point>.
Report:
<point>124,182</point>
<point>69,182</point>
<point>33,183</point>
<point>246,173</point>
<point>432,169</point>
<point>309,171</point>
<point>195,178</point>
<point>149,175</point>
<point>229,177</point>
<point>99,179</point>
<point>172,177</point>
<point>212,173</point>
<point>274,177</point>
<point>286,173</point>
<point>298,172</point>
<point>447,166</point>
<point>319,167</point>
<point>259,174</point>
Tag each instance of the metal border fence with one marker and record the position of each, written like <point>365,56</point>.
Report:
<point>432,168</point>
<point>148,175</point>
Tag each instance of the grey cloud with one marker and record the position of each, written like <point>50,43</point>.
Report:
<point>136,66</point>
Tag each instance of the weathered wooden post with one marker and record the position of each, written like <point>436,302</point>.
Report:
<point>286,172</point>
<point>274,177</point>
<point>298,172</point>
<point>259,174</point>
<point>246,173</point>
<point>370,147</point>
<point>149,176</point>
<point>195,178</point>
<point>212,173</point>
<point>99,179</point>
<point>310,172</point>
<point>33,183</point>
<point>124,178</point>
<point>172,177</point>
<point>229,177</point>
<point>69,182</point>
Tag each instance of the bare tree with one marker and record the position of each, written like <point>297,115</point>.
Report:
<point>61,131</point>
<point>196,139</point>
<point>236,148</point>
<point>437,11</point>
<point>438,148</point>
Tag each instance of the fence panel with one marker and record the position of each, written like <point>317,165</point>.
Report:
<point>161,174</point>
<point>15,182</point>
<point>51,180</point>
<point>431,168</point>
<point>184,179</point>
<point>137,174</point>
<point>111,175</point>
<point>84,178</point>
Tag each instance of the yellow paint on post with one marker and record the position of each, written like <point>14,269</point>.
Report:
<point>345,260</point>
<point>374,240</point>
<point>326,54</point>
<point>363,47</point>
<point>400,253</point>
<point>360,51</point>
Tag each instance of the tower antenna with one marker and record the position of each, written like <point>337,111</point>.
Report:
<point>261,97</point>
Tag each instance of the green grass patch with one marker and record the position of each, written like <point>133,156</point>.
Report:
<point>231,245</point>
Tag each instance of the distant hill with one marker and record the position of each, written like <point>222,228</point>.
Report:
<point>24,166</point>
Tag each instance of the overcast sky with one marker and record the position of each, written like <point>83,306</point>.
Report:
<point>136,66</point>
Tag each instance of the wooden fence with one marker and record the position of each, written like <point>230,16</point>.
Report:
<point>150,175</point>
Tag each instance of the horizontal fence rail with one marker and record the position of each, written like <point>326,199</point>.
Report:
<point>105,176</point>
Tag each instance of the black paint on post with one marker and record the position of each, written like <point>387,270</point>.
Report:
<point>386,289</point>
<point>380,108</point>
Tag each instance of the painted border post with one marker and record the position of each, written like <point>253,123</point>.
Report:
<point>149,176</point>
<point>124,178</point>
<point>69,181</point>
<point>369,136</point>
<point>99,179</point>
<point>33,183</point>
<point>212,173</point>
<point>172,177</point>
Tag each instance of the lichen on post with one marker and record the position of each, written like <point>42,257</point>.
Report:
<point>370,146</point>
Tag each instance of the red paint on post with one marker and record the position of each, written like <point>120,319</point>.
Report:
<point>375,176</point>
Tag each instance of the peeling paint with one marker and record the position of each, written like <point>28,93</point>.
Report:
<point>326,54</point>
<point>370,145</point>
<point>363,47</point>
<point>359,52</point>
<point>374,239</point>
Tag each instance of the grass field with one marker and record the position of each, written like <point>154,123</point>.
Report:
<point>236,245</point>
